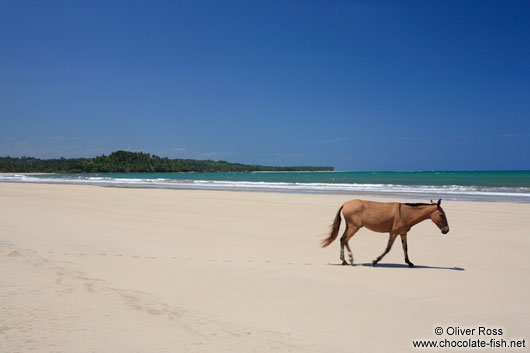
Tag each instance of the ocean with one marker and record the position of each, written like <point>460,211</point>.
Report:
<point>511,186</point>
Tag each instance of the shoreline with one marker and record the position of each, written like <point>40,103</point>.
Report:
<point>256,187</point>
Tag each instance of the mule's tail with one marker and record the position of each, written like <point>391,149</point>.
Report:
<point>334,230</point>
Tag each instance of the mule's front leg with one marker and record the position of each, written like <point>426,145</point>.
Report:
<point>388,247</point>
<point>405,249</point>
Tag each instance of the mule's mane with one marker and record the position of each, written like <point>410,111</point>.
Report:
<point>418,204</point>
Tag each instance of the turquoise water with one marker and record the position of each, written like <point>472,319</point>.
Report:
<point>479,178</point>
<point>469,185</point>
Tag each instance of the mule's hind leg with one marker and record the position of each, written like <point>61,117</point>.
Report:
<point>350,234</point>
<point>405,249</point>
<point>388,247</point>
<point>342,243</point>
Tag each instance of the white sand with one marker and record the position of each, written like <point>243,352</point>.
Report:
<point>93,269</point>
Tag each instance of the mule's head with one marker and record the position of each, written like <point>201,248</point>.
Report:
<point>439,218</point>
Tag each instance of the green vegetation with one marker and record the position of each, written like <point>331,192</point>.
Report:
<point>132,162</point>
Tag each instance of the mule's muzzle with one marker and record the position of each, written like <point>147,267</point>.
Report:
<point>445,230</point>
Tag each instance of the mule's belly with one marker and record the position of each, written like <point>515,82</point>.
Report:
<point>378,219</point>
<point>384,227</point>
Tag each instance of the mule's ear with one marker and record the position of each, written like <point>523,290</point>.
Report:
<point>439,202</point>
<point>432,202</point>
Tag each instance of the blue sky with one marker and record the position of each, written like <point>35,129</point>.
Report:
<point>359,85</point>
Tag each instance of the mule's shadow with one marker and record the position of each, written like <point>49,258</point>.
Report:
<point>387,265</point>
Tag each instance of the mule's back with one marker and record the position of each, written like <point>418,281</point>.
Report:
<point>376,216</point>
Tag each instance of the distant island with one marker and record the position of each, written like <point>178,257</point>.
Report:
<point>135,162</point>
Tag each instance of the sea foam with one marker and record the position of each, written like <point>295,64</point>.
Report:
<point>455,192</point>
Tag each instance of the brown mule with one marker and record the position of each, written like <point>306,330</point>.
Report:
<point>392,217</point>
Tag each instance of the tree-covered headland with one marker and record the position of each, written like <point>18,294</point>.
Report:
<point>133,162</point>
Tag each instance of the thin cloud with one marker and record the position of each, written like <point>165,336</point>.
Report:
<point>57,138</point>
<point>180,150</point>
<point>446,141</point>
<point>335,140</point>
<point>184,152</point>
<point>509,135</point>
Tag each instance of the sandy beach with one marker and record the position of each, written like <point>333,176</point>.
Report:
<point>101,269</point>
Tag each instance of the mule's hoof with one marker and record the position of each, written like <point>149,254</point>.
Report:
<point>374,263</point>
<point>344,262</point>
<point>411,265</point>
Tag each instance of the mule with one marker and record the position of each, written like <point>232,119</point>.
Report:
<point>392,217</point>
